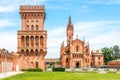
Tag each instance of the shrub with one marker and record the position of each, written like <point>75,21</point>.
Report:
<point>33,70</point>
<point>58,69</point>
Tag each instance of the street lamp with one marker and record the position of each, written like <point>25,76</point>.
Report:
<point>5,51</point>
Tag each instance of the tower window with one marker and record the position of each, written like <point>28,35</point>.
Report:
<point>27,52</point>
<point>27,20</point>
<point>27,27</point>
<point>36,52</point>
<point>36,27</point>
<point>32,27</point>
<point>41,41</point>
<point>27,41</point>
<point>32,21</point>
<point>36,20</point>
<point>36,64</point>
<point>98,58</point>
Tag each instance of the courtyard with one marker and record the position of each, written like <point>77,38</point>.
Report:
<point>64,76</point>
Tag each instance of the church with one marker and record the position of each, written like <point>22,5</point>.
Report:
<point>77,54</point>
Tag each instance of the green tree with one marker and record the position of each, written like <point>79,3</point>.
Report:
<point>110,54</point>
<point>107,54</point>
<point>116,52</point>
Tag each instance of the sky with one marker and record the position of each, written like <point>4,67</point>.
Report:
<point>96,20</point>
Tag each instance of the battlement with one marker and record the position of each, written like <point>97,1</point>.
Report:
<point>30,8</point>
<point>96,52</point>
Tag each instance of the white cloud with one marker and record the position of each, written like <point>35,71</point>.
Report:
<point>8,40</point>
<point>6,22</point>
<point>99,33</point>
<point>107,2</point>
<point>9,6</point>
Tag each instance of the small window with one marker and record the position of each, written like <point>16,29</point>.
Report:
<point>32,27</point>
<point>98,58</point>
<point>77,49</point>
<point>36,20</point>
<point>27,20</point>
<point>27,27</point>
<point>36,27</point>
<point>32,21</point>
<point>66,60</point>
<point>36,64</point>
<point>98,63</point>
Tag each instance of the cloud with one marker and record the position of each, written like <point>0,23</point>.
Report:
<point>6,23</point>
<point>8,6</point>
<point>8,40</point>
<point>99,33</point>
<point>107,2</point>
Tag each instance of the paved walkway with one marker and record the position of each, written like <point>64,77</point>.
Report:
<point>8,74</point>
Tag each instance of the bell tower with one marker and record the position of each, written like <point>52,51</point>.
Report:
<point>69,30</point>
<point>32,38</point>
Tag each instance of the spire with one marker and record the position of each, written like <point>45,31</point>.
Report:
<point>70,21</point>
<point>77,36</point>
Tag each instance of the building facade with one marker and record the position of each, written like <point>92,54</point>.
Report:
<point>8,61</point>
<point>52,62</point>
<point>76,54</point>
<point>97,58</point>
<point>32,38</point>
<point>114,64</point>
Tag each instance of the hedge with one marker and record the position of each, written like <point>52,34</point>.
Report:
<point>58,69</point>
<point>33,70</point>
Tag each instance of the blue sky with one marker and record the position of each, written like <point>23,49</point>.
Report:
<point>97,20</point>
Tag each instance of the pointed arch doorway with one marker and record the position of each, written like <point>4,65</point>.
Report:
<point>77,65</point>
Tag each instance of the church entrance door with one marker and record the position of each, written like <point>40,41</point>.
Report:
<point>77,65</point>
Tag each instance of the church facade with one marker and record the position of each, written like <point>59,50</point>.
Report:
<point>32,38</point>
<point>76,54</point>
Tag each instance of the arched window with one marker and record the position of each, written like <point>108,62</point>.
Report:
<point>37,41</point>
<point>31,52</point>
<point>36,52</point>
<point>36,64</point>
<point>32,41</point>
<point>22,41</point>
<point>27,27</point>
<point>41,41</point>
<point>67,60</point>
<point>36,27</point>
<point>36,20</point>
<point>22,51</point>
<point>27,41</point>
<point>32,27</point>
<point>99,58</point>
<point>41,51</point>
<point>27,52</point>
<point>27,20</point>
<point>77,48</point>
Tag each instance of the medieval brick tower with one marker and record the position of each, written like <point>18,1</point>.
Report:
<point>32,38</point>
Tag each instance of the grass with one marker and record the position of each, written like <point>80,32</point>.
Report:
<point>63,76</point>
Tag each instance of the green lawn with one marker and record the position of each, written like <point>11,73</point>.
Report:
<point>63,76</point>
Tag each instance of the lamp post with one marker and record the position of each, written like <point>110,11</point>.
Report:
<point>5,51</point>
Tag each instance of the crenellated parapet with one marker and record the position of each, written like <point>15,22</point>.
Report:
<point>93,52</point>
<point>32,11</point>
<point>29,8</point>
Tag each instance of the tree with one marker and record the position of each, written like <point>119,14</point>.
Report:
<point>110,54</point>
<point>107,54</point>
<point>116,52</point>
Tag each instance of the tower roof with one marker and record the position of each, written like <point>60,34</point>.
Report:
<point>69,23</point>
